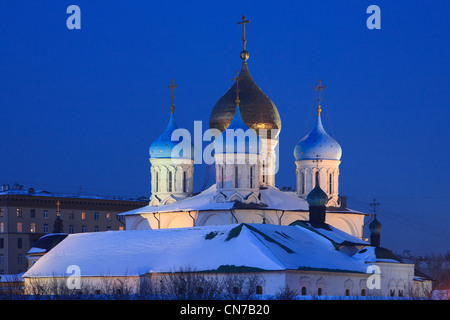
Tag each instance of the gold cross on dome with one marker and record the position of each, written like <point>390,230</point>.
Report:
<point>172,87</point>
<point>243,22</point>
<point>319,88</point>
<point>57,206</point>
<point>237,87</point>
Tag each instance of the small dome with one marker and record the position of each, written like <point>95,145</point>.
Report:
<point>317,197</point>
<point>244,139</point>
<point>375,226</point>
<point>162,147</point>
<point>318,144</point>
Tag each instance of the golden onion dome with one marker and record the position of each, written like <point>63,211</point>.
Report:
<point>257,110</point>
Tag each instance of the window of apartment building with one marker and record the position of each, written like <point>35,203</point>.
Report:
<point>45,214</point>
<point>19,226</point>
<point>32,213</point>
<point>2,259</point>
<point>19,212</point>
<point>32,227</point>
<point>83,228</point>
<point>1,212</point>
<point>70,215</point>
<point>96,229</point>
<point>19,259</point>
<point>71,228</point>
<point>96,215</point>
<point>45,228</point>
<point>2,243</point>
<point>2,227</point>
<point>108,216</point>
<point>83,215</point>
<point>19,243</point>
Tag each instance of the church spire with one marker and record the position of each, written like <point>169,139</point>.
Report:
<point>319,88</point>
<point>172,87</point>
<point>237,88</point>
<point>244,52</point>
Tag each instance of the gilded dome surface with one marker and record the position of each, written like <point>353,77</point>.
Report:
<point>257,110</point>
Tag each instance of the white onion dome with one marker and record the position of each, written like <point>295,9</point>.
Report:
<point>318,144</point>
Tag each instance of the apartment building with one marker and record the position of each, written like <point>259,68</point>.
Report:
<point>27,215</point>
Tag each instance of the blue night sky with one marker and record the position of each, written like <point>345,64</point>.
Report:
<point>81,107</point>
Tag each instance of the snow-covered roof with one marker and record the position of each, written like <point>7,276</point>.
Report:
<point>206,248</point>
<point>271,199</point>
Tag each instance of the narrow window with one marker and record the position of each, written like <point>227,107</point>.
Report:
<point>156,181</point>
<point>363,292</point>
<point>319,291</point>
<point>251,177</point>
<point>19,212</point>
<point>303,291</point>
<point>347,292</point>
<point>108,216</point>
<point>19,243</point>
<point>32,227</point>
<point>32,213</point>
<point>45,228</point>
<point>2,227</point>
<point>302,181</point>
<point>169,187</point>
<point>83,215</point>
<point>259,290</point>
<point>83,228</point>
<point>96,215</point>
<point>71,229</point>
<point>19,226</point>
<point>236,176</point>
<point>263,173</point>
<point>221,176</point>
<point>330,183</point>
<point>184,181</point>
<point>45,214</point>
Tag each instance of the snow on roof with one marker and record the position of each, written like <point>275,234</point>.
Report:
<point>271,198</point>
<point>206,248</point>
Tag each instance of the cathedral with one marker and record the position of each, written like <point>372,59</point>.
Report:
<point>307,240</point>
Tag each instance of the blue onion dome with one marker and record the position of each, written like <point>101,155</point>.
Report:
<point>162,147</point>
<point>318,144</point>
<point>237,137</point>
<point>375,226</point>
<point>317,197</point>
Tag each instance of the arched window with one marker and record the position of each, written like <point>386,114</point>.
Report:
<point>170,184</point>
<point>330,183</point>
<point>303,291</point>
<point>302,182</point>
<point>319,291</point>
<point>263,173</point>
<point>347,292</point>
<point>184,182</point>
<point>236,176</point>
<point>363,292</point>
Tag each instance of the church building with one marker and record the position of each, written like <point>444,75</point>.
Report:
<point>307,240</point>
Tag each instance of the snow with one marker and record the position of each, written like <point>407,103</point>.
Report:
<point>133,253</point>
<point>272,198</point>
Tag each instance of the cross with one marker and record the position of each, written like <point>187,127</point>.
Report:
<point>57,205</point>
<point>317,161</point>
<point>374,205</point>
<point>172,87</point>
<point>237,87</point>
<point>319,88</point>
<point>243,22</point>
